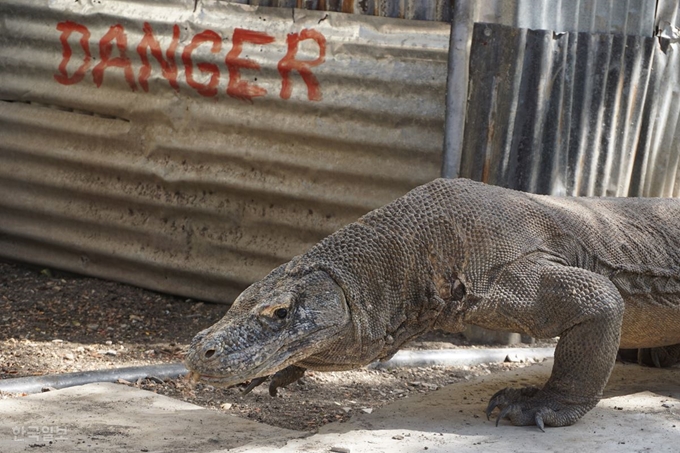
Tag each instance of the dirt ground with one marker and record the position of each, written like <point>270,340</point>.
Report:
<point>54,322</point>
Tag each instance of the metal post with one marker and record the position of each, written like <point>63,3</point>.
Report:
<point>457,86</point>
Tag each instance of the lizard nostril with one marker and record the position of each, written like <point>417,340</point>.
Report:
<point>209,353</point>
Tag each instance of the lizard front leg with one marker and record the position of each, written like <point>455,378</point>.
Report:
<point>586,310</point>
<point>281,378</point>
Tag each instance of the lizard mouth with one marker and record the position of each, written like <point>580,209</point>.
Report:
<point>238,376</point>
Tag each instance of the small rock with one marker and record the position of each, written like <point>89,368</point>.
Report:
<point>57,340</point>
<point>340,450</point>
<point>93,326</point>
<point>226,406</point>
<point>367,410</point>
<point>398,437</point>
<point>69,356</point>
<point>109,342</point>
<point>47,388</point>
<point>514,358</point>
<point>110,352</point>
<point>123,381</point>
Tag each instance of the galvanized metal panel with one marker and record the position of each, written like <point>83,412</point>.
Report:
<point>667,20</point>
<point>431,10</point>
<point>201,194</point>
<point>628,17</point>
<point>572,113</point>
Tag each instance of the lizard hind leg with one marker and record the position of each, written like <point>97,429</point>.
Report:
<point>659,357</point>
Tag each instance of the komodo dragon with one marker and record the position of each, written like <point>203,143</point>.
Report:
<point>600,273</point>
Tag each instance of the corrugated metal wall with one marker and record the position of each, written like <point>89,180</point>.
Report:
<point>564,97</point>
<point>628,17</point>
<point>185,188</point>
<point>437,10</point>
<point>569,112</point>
<point>565,113</point>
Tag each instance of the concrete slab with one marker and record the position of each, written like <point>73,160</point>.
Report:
<point>640,412</point>
<point>106,417</point>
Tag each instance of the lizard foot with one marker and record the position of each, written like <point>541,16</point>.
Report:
<point>280,379</point>
<point>531,406</point>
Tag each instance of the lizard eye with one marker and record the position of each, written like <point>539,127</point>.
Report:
<point>281,313</point>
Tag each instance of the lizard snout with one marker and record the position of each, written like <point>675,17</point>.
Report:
<point>207,350</point>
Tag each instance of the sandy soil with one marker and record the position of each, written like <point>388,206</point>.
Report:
<point>54,322</point>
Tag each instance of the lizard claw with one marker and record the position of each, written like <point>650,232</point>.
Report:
<point>539,421</point>
<point>504,413</point>
<point>254,383</point>
<point>489,409</point>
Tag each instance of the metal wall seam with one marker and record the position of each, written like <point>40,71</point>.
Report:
<point>268,133</point>
<point>572,113</point>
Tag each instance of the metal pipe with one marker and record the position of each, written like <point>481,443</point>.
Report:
<point>35,384</point>
<point>460,357</point>
<point>402,359</point>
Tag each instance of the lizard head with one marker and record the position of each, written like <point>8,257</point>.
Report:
<point>276,322</point>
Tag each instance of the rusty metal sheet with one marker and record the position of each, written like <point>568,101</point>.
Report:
<point>192,151</point>
<point>627,17</point>
<point>573,113</point>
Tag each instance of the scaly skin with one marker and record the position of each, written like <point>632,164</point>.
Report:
<point>599,273</point>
